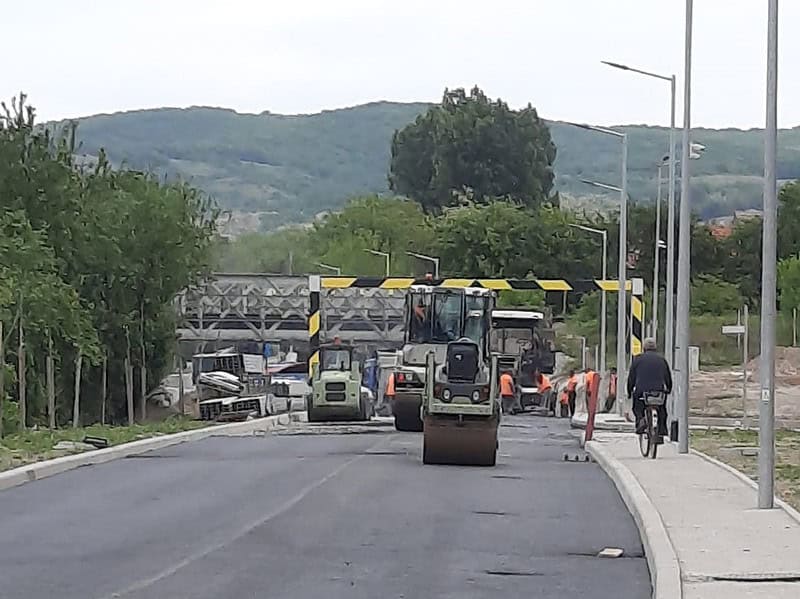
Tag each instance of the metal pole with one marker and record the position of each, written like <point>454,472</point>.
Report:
<point>794,327</point>
<point>657,251</point>
<point>669,331</point>
<point>604,311</point>
<point>621,293</point>
<point>436,269</point>
<point>681,365</point>
<point>387,265</point>
<point>596,356</point>
<point>766,413</point>
<point>744,367</point>
<point>583,353</point>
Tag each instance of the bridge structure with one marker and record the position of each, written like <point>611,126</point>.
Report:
<point>231,308</point>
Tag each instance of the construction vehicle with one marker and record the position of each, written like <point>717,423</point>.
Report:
<point>336,390</point>
<point>461,411</point>
<point>522,340</point>
<point>434,316</point>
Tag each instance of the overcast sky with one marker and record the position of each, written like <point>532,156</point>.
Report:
<point>81,57</point>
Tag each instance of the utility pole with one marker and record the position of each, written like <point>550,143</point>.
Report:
<point>766,412</point>
<point>681,365</point>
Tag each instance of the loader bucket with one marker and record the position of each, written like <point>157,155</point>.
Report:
<point>459,441</point>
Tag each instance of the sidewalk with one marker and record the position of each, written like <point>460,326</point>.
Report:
<point>725,546</point>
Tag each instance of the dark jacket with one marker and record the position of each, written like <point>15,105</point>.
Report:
<point>649,372</point>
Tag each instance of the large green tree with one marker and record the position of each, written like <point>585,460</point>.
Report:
<point>473,142</point>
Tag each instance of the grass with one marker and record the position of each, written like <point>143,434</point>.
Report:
<point>724,445</point>
<point>34,445</point>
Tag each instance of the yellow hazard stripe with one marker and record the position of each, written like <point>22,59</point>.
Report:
<point>313,361</point>
<point>337,282</point>
<point>457,283</point>
<point>554,284</point>
<point>397,283</point>
<point>497,284</point>
<point>313,324</point>
<point>636,307</point>
<point>636,346</point>
<point>611,284</point>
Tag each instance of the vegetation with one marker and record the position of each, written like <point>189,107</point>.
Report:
<point>301,165</point>
<point>471,142</point>
<point>90,261</point>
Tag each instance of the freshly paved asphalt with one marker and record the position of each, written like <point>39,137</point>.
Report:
<point>306,516</point>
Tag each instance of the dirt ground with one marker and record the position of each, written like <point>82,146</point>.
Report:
<point>738,448</point>
<point>719,393</point>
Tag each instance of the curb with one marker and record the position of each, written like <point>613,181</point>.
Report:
<point>662,561</point>
<point>39,470</point>
<point>793,513</point>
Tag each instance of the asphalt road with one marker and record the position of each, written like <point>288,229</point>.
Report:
<point>326,516</point>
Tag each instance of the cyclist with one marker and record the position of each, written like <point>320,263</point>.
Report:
<point>649,373</point>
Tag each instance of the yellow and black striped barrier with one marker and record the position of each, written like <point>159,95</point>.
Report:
<point>339,282</point>
<point>637,317</point>
<point>314,290</point>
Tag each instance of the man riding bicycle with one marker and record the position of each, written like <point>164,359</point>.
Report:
<point>649,374</point>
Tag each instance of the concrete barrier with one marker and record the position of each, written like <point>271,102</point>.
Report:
<point>40,470</point>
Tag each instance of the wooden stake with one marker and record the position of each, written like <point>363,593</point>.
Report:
<point>76,406</point>
<point>104,391</point>
<point>51,384</point>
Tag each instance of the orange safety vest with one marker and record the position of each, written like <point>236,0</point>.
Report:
<point>565,397</point>
<point>390,384</point>
<point>506,385</point>
<point>572,382</point>
<point>544,384</point>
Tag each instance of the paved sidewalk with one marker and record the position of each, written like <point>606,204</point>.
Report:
<point>725,546</point>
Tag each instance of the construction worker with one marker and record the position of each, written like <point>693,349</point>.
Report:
<point>612,389</point>
<point>546,392</point>
<point>563,403</point>
<point>507,393</point>
<point>572,385</point>
<point>390,388</point>
<point>589,379</point>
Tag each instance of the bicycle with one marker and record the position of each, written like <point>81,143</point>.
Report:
<point>649,439</point>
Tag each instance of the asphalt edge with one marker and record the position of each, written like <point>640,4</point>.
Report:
<point>662,561</point>
<point>39,470</point>
<point>793,513</point>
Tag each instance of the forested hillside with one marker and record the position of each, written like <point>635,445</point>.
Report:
<point>297,166</point>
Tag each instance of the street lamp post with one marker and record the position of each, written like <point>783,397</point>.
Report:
<point>433,259</point>
<point>766,413</point>
<point>603,315</point>
<point>670,325</point>
<point>622,299</point>
<point>379,253</point>
<point>681,363</point>
<point>335,269</point>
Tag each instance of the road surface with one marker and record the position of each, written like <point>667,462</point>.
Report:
<point>353,514</point>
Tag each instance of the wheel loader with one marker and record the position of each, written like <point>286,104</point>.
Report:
<point>461,411</point>
<point>336,390</point>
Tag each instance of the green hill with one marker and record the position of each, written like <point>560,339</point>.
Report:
<point>293,167</point>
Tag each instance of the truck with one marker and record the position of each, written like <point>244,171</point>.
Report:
<point>522,340</point>
<point>461,410</point>
<point>336,390</point>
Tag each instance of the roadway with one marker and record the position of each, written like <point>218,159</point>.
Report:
<point>325,512</point>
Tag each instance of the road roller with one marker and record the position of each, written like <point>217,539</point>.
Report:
<point>461,411</point>
<point>434,317</point>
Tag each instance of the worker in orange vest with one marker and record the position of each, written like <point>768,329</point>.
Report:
<point>563,403</point>
<point>546,392</point>
<point>507,393</point>
<point>590,382</point>
<point>390,387</point>
<point>572,385</point>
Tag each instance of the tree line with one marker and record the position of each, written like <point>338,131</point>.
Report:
<point>91,259</point>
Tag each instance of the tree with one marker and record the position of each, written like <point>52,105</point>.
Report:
<point>789,283</point>
<point>471,142</point>
<point>712,295</point>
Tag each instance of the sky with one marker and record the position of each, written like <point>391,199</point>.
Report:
<point>80,57</point>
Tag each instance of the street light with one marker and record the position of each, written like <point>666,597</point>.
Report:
<point>681,362</point>
<point>603,330</point>
<point>766,412</point>
<point>433,259</point>
<point>379,253</point>
<point>335,269</point>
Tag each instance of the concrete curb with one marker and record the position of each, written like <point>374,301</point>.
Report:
<point>40,470</point>
<point>793,513</point>
<point>665,571</point>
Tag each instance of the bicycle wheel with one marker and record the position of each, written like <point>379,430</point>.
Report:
<point>652,430</point>
<point>645,440</point>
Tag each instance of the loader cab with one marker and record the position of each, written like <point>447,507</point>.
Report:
<point>522,341</point>
<point>335,357</point>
